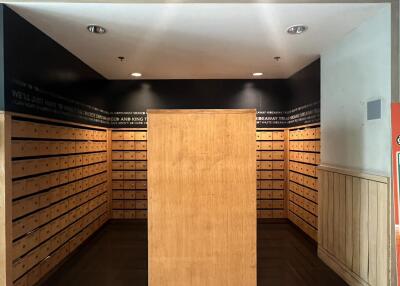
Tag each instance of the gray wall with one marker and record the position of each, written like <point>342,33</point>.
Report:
<point>354,72</point>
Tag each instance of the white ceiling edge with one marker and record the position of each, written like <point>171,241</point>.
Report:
<point>165,74</point>
<point>203,1</point>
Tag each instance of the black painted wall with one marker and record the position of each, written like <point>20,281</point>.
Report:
<point>2,97</point>
<point>133,98</point>
<point>305,89</point>
<point>42,78</point>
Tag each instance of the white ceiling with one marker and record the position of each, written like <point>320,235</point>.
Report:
<point>192,40</point>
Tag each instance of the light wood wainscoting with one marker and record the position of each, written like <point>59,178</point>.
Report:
<point>354,232</point>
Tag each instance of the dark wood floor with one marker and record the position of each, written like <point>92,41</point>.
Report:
<point>117,256</point>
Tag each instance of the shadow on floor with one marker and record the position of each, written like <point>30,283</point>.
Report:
<point>117,256</point>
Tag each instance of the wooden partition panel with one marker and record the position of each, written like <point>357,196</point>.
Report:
<point>202,197</point>
<point>59,192</point>
<point>354,232</point>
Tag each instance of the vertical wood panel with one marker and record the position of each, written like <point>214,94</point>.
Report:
<point>330,211</point>
<point>336,213</point>
<point>372,229</point>
<point>320,204</point>
<point>382,235</point>
<point>342,218</point>
<point>356,224</point>
<point>364,230</point>
<point>357,216</point>
<point>324,210</point>
<point>202,198</point>
<point>349,221</point>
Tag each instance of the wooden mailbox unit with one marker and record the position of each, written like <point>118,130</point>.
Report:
<point>202,197</point>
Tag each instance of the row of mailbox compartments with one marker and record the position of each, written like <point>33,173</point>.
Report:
<point>32,221</point>
<point>53,211</point>
<point>311,158</point>
<point>129,195</point>
<point>270,185</point>
<point>129,135</point>
<point>270,145</point>
<point>129,214</point>
<point>270,194</point>
<point>308,146</point>
<point>38,166</point>
<point>26,129</point>
<point>129,155</point>
<point>45,201</point>
<point>69,242</point>
<point>308,229</point>
<point>33,185</point>
<point>129,204</point>
<point>303,168</point>
<point>129,165</point>
<point>270,135</point>
<point>270,165</point>
<point>40,235</point>
<point>305,192</point>
<point>129,175</point>
<point>304,203</point>
<point>271,214</point>
<point>129,145</point>
<point>303,214</point>
<point>46,148</point>
<point>305,134</point>
<point>303,180</point>
<point>270,175</point>
<point>270,155</point>
<point>270,204</point>
<point>129,185</point>
<point>72,161</point>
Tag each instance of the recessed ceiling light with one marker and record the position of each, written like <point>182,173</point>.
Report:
<point>136,74</point>
<point>296,29</point>
<point>96,29</point>
<point>257,73</point>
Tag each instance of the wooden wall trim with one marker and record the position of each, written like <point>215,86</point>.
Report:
<point>304,126</point>
<point>201,111</point>
<point>272,129</point>
<point>128,129</point>
<point>355,173</point>
<point>5,200</point>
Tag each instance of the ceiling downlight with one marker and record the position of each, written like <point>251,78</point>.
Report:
<point>96,29</point>
<point>296,29</point>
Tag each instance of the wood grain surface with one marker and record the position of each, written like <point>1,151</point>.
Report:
<point>355,233</point>
<point>202,197</point>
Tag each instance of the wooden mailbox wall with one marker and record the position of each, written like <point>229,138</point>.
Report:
<point>129,173</point>
<point>202,197</point>
<point>57,192</point>
<point>65,180</point>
